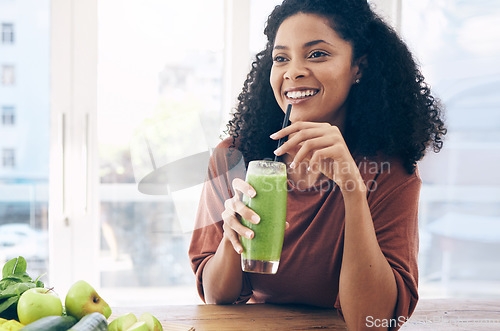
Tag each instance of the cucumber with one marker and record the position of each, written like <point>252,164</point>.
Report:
<point>91,322</point>
<point>51,323</point>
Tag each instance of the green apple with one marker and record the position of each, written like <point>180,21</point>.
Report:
<point>139,326</point>
<point>122,322</point>
<point>82,299</point>
<point>36,303</point>
<point>11,325</point>
<point>151,321</point>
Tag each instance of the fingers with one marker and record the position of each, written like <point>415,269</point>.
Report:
<point>234,210</point>
<point>301,133</point>
<point>309,149</point>
<point>294,127</point>
<point>232,225</point>
<point>243,187</point>
<point>298,127</point>
<point>232,229</point>
<point>323,160</point>
<point>239,207</point>
<point>236,207</point>
<point>311,139</point>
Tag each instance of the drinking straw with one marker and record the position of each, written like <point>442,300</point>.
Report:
<point>285,123</point>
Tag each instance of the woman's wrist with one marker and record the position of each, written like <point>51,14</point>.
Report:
<point>353,188</point>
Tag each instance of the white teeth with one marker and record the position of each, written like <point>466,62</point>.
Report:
<point>300,94</point>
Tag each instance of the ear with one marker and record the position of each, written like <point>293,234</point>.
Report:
<point>359,65</point>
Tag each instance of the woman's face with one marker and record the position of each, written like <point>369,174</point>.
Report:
<point>312,69</point>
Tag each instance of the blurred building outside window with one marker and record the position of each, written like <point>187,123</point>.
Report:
<point>8,115</point>
<point>9,158</point>
<point>8,75</point>
<point>7,33</point>
<point>24,132</point>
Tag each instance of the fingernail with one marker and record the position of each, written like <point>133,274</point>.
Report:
<point>277,151</point>
<point>239,250</point>
<point>255,219</point>
<point>308,168</point>
<point>249,234</point>
<point>293,165</point>
<point>273,136</point>
<point>251,193</point>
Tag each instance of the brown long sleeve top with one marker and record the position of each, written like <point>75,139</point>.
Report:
<point>311,258</point>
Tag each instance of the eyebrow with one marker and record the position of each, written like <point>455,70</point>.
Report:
<point>308,44</point>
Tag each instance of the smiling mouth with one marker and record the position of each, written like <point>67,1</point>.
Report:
<point>296,95</point>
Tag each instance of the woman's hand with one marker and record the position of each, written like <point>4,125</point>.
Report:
<point>324,148</point>
<point>234,210</point>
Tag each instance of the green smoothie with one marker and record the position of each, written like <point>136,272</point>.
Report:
<point>270,182</point>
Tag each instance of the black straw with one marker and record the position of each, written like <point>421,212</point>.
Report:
<point>285,123</point>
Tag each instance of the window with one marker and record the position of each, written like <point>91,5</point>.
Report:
<point>8,75</point>
<point>8,115</point>
<point>25,134</point>
<point>8,158</point>
<point>172,101</point>
<point>460,199</point>
<point>259,11</point>
<point>7,33</point>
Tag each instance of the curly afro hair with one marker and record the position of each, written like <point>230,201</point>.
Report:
<point>390,112</point>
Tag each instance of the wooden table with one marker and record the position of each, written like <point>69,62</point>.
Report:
<point>455,314</point>
<point>429,315</point>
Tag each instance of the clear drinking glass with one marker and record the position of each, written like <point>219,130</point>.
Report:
<point>262,253</point>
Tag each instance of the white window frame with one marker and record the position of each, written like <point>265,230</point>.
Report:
<point>73,210</point>
<point>390,10</point>
<point>237,57</point>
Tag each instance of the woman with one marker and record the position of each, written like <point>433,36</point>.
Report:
<point>362,117</point>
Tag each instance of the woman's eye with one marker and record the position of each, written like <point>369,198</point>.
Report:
<point>279,58</point>
<point>317,54</point>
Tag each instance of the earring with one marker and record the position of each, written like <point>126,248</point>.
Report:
<point>357,81</point>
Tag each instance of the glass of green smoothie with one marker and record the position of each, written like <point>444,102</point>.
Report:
<point>262,253</point>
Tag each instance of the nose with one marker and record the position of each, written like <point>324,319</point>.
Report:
<point>295,70</point>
